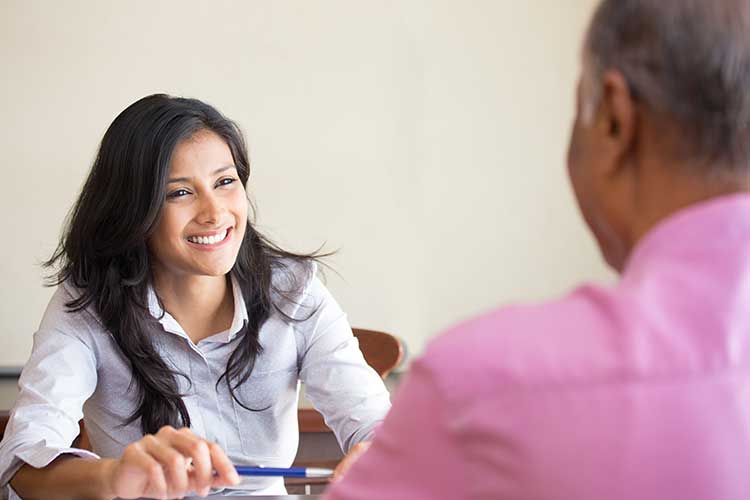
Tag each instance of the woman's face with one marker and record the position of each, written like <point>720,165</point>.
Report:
<point>204,217</point>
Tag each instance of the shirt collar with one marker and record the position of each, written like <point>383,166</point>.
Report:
<point>170,324</point>
<point>714,223</point>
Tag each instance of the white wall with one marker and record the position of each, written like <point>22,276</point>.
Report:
<point>425,139</point>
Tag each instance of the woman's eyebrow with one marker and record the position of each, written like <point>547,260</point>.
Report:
<point>188,179</point>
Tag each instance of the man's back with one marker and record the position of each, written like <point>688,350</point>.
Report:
<point>639,391</point>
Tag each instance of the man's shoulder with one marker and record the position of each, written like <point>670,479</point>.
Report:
<point>535,344</point>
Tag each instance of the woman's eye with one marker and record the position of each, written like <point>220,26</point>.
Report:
<point>178,193</point>
<point>226,181</point>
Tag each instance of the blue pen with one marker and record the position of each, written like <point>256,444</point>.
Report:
<point>244,470</point>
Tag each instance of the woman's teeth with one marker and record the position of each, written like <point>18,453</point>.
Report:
<point>208,240</point>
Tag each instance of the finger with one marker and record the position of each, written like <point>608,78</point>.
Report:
<point>157,482</point>
<point>196,449</point>
<point>354,454</point>
<point>171,460</point>
<point>341,468</point>
<point>226,474</point>
<point>140,474</point>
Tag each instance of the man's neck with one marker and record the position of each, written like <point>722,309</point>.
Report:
<point>663,195</point>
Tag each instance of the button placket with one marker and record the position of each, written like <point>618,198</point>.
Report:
<point>207,400</point>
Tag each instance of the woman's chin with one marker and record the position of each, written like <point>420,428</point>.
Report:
<point>216,272</point>
<point>214,269</point>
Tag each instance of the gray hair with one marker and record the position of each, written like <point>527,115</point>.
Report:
<point>687,60</point>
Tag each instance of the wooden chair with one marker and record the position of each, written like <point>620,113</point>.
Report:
<point>381,350</point>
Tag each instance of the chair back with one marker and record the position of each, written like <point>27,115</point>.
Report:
<point>382,351</point>
<point>4,418</point>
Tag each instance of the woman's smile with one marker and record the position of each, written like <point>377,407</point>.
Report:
<point>210,241</point>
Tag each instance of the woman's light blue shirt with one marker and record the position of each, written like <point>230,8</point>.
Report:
<point>76,370</point>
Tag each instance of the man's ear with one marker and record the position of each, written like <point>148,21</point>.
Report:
<point>618,114</point>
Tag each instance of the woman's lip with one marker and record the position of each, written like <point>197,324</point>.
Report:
<point>213,246</point>
<point>206,235</point>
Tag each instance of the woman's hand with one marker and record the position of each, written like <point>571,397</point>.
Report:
<point>169,464</point>
<point>351,457</point>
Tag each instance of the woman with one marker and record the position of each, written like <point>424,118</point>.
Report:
<point>177,332</point>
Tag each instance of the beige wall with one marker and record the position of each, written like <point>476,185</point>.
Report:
<point>425,139</point>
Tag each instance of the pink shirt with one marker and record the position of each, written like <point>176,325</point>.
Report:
<point>640,391</point>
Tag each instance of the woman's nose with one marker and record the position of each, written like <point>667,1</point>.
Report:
<point>210,209</point>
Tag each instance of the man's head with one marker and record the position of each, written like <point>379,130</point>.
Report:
<point>663,115</point>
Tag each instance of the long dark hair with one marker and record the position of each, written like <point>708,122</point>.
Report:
<point>103,251</point>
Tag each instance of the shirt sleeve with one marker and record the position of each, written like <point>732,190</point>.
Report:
<point>338,381</point>
<point>414,455</point>
<point>58,378</point>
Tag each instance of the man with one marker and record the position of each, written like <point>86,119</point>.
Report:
<point>639,391</point>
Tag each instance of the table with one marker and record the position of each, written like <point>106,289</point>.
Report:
<point>262,497</point>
